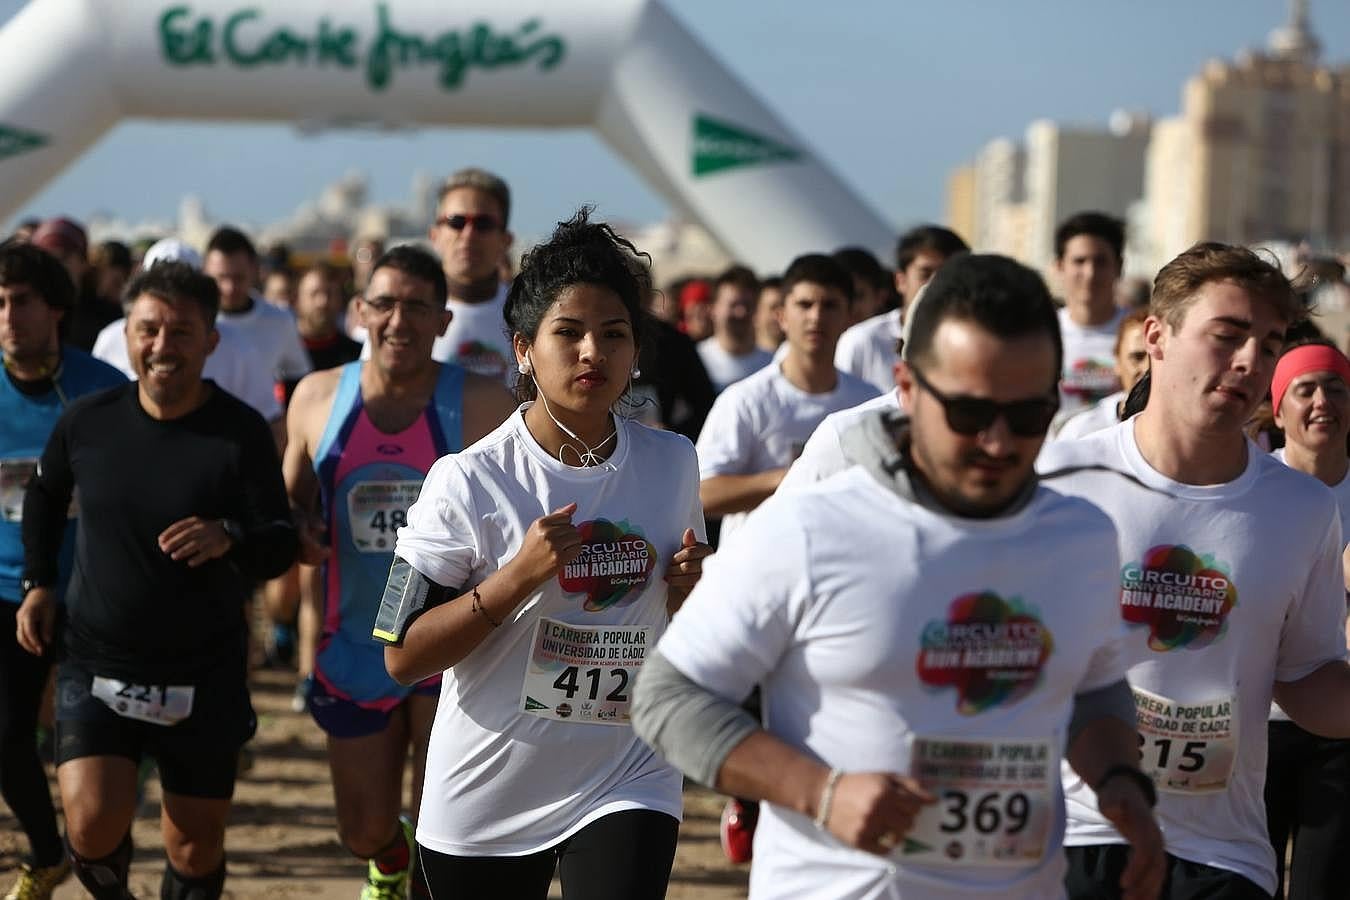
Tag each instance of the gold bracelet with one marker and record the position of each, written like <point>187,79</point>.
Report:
<point>479,608</point>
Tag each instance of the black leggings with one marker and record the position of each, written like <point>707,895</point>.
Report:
<point>622,856</point>
<point>1307,793</point>
<point>23,783</point>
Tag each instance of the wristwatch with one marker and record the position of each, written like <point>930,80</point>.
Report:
<point>233,530</point>
<point>28,583</point>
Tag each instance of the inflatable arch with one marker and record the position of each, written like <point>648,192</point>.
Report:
<point>625,68</point>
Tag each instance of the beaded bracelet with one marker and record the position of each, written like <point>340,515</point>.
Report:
<point>827,798</point>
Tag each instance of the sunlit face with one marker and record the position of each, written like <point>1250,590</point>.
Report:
<point>318,304</point>
<point>167,344</point>
<point>1213,370</point>
<point>813,317</point>
<point>919,272</point>
<point>976,474</point>
<point>403,318</point>
<point>733,312</point>
<point>583,354</point>
<point>473,251</point>
<point>28,326</point>
<point>1087,273</point>
<point>767,312</point>
<point>1315,412</point>
<point>1132,356</point>
<point>867,300</point>
<point>235,274</point>
<point>280,288</point>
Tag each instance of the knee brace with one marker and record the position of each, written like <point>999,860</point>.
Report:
<point>177,886</point>
<point>104,878</point>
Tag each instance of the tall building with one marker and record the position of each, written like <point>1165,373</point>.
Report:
<point>1022,192</point>
<point>1260,152</point>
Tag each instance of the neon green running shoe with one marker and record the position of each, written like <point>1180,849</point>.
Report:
<point>392,885</point>
<point>38,884</point>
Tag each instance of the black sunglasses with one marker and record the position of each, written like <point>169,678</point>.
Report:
<point>480,221</point>
<point>971,415</point>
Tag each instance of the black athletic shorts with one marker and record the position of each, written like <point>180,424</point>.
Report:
<point>198,756</point>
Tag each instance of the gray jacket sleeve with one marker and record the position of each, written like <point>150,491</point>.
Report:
<point>690,726</point>
<point>1115,700</point>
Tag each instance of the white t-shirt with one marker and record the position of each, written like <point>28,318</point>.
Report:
<point>501,780</point>
<point>1089,361</point>
<point>1342,492</point>
<point>725,368</point>
<point>762,422</point>
<point>272,333</point>
<point>1102,414</point>
<point>823,454</point>
<point>1226,589</point>
<point>234,365</point>
<point>870,621</point>
<point>867,350</point>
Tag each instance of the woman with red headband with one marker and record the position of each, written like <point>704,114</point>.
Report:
<point>1308,777</point>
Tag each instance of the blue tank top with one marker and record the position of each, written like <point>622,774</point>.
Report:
<point>367,481</point>
<point>28,422</point>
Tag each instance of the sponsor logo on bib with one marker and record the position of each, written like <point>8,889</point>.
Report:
<point>481,359</point>
<point>615,564</point>
<point>991,650</point>
<point>1184,598</point>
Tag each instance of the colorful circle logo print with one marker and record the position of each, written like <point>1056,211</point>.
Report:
<point>992,651</point>
<point>615,564</point>
<point>1184,598</point>
<point>481,359</point>
<point>1090,380</point>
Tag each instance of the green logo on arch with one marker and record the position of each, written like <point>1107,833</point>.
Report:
<point>14,141</point>
<point>719,146</point>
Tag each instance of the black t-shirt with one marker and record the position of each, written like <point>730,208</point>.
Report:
<point>132,612</point>
<point>670,363</point>
<point>89,317</point>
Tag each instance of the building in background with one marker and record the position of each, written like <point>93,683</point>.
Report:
<point>1259,153</point>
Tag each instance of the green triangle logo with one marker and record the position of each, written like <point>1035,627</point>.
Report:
<point>533,704</point>
<point>719,146</point>
<point>14,141</point>
<point>913,846</point>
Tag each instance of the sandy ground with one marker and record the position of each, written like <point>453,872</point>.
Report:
<point>282,840</point>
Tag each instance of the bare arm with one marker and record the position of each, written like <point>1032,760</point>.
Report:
<point>310,405</point>
<point>1103,744</point>
<point>1319,702</point>
<point>486,405</point>
<point>725,494</point>
<point>442,636</point>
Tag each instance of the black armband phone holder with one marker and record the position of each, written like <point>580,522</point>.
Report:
<point>407,594</point>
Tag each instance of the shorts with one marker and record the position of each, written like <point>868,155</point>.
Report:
<point>1095,869</point>
<point>196,757</point>
<point>343,718</point>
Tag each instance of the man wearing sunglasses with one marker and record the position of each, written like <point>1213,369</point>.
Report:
<point>1230,579</point>
<point>471,237</point>
<point>923,670</point>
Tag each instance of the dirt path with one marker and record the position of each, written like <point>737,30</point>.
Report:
<point>282,841</point>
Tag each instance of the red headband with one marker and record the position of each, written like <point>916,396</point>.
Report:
<point>1301,361</point>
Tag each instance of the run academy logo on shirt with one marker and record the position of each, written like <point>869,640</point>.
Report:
<point>1090,380</point>
<point>991,650</point>
<point>1183,597</point>
<point>481,359</point>
<point>615,564</point>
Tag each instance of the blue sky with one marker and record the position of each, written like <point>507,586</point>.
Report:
<point>891,94</point>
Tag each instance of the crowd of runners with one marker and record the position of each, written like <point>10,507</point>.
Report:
<point>954,586</point>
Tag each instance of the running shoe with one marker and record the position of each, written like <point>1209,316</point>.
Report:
<point>737,830</point>
<point>38,884</point>
<point>300,699</point>
<point>391,885</point>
